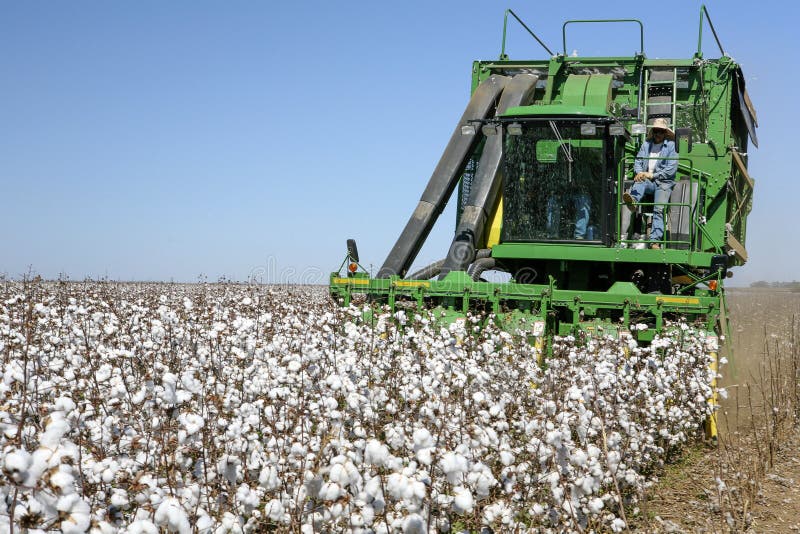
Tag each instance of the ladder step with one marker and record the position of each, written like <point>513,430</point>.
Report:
<point>662,75</point>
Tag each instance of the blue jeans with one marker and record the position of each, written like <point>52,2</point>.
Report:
<point>661,191</point>
<point>581,203</point>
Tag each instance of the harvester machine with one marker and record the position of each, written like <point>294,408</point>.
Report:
<point>540,160</point>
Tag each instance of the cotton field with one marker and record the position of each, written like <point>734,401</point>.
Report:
<point>240,408</point>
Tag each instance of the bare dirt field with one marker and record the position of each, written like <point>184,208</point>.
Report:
<point>747,482</point>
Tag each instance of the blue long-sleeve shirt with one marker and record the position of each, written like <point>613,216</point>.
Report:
<point>665,169</point>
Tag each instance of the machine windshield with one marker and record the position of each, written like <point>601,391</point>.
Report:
<point>553,178</point>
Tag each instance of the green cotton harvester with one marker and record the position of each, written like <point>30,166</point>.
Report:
<point>543,142</point>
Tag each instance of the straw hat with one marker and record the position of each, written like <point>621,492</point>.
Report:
<point>664,125</point>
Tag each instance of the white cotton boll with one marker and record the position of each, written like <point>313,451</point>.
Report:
<point>356,521</point>
<point>77,513</point>
<point>205,524</point>
<point>139,396</point>
<point>142,526</point>
<point>617,525</point>
<point>453,465</point>
<point>171,515</point>
<point>372,489</point>
<point>229,467</point>
<point>54,431</point>
<point>268,478</point>
<point>331,403</point>
<point>336,510</point>
<point>422,439</point>
<point>425,456</point>
<point>119,498</point>
<point>418,490</point>
<point>274,510</point>
<point>109,473</point>
<point>169,395</point>
<point>334,382</point>
<point>62,481</point>
<point>414,524</point>
<point>368,513</point>
<point>230,524</point>
<point>330,491</point>
<point>64,404</point>
<point>294,366</point>
<point>17,464</point>
<point>575,393</point>
<point>578,458</point>
<point>483,482</point>
<point>506,458</point>
<point>398,486</point>
<point>247,497</point>
<point>339,474</point>
<point>191,422</point>
<point>376,453</point>
<point>596,505</point>
<point>613,459</point>
<point>463,501</point>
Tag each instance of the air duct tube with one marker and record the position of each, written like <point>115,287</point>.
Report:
<point>443,180</point>
<point>481,266</point>
<point>487,183</point>
<point>426,273</point>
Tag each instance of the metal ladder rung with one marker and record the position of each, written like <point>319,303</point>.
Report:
<point>657,78</point>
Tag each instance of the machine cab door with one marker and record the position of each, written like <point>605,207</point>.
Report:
<point>558,184</point>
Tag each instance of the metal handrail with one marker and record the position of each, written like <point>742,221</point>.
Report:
<point>641,31</point>
<point>503,55</point>
<point>696,211</point>
<point>700,33</point>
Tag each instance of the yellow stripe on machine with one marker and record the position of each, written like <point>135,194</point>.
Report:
<point>354,281</point>
<point>680,300</point>
<point>407,283</point>
<point>495,226</point>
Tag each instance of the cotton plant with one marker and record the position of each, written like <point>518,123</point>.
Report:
<point>236,408</point>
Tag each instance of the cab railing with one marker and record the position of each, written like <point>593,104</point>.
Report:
<point>696,239</point>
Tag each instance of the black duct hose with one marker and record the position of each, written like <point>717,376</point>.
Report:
<point>443,180</point>
<point>486,186</point>
<point>481,266</point>
<point>426,273</point>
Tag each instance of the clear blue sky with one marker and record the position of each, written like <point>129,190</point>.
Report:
<point>158,140</point>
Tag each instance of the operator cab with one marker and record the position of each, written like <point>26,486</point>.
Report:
<point>559,182</point>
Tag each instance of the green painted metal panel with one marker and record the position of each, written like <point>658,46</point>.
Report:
<point>599,253</point>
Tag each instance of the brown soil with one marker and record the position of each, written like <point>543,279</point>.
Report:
<point>778,509</point>
<point>730,487</point>
<point>687,498</point>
